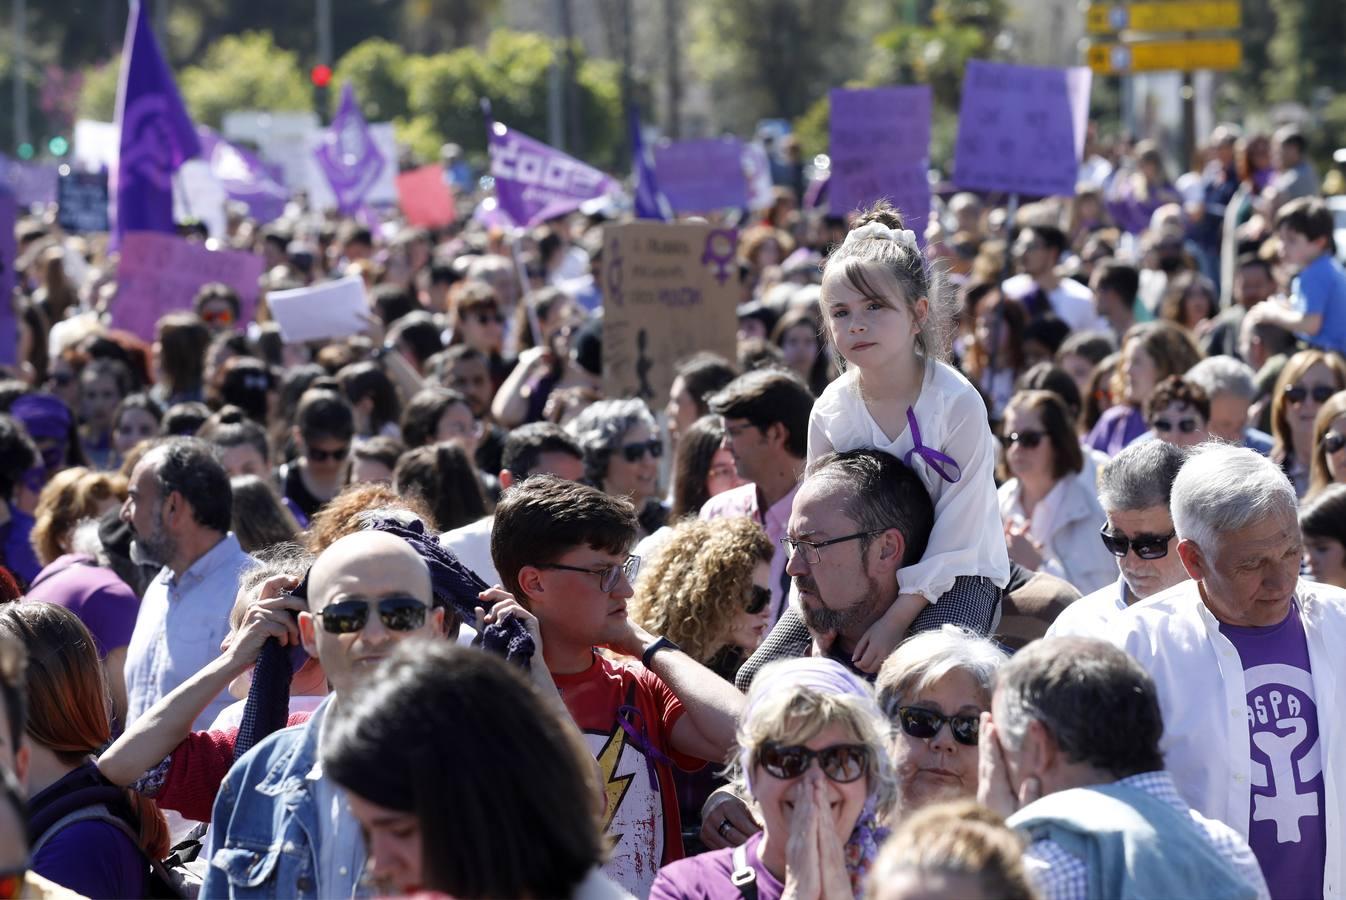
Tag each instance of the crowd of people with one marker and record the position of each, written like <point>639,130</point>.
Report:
<point>1003,560</point>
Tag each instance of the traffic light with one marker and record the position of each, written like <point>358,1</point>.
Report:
<point>321,76</point>
<point>58,146</point>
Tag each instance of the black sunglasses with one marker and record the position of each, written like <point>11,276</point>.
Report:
<point>925,723</point>
<point>1186,426</point>
<point>1320,393</point>
<point>400,612</point>
<point>843,763</point>
<point>323,455</point>
<point>1147,546</point>
<point>488,318</point>
<point>1029,439</point>
<point>1333,441</point>
<point>759,598</point>
<point>636,452</point>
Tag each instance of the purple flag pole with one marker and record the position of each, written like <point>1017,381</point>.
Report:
<point>156,135</point>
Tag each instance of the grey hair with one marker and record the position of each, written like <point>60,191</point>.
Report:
<point>923,659</point>
<point>1223,375</point>
<point>1222,488</point>
<point>599,429</point>
<point>1141,476</point>
<point>285,558</point>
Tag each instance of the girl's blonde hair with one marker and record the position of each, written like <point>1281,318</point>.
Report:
<point>889,272</point>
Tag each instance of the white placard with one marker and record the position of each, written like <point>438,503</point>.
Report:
<point>333,309</point>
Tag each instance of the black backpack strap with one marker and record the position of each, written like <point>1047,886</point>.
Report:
<point>744,876</point>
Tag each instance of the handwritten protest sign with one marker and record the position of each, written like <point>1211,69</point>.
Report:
<point>880,149</point>
<point>669,290</point>
<point>333,309</point>
<point>9,251</point>
<point>82,202</point>
<point>425,198</point>
<point>700,176</point>
<point>161,273</point>
<point>1021,128</point>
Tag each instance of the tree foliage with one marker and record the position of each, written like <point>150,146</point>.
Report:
<point>246,71</point>
<point>98,96</point>
<point>1305,51</point>
<point>377,70</point>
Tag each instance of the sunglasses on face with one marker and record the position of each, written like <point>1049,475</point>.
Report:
<point>636,452</point>
<point>608,575</point>
<point>758,599</point>
<point>842,763</point>
<point>340,453</point>
<point>1333,441</point>
<point>923,723</point>
<point>1147,546</point>
<point>400,612</point>
<point>220,317</point>
<point>488,318</point>
<point>1320,393</point>
<point>1186,426</point>
<point>1029,439</point>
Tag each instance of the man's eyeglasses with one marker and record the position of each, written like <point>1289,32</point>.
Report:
<point>1186,426</point>
<point>1147,546</point>
<point>1333,441</point>
<point>636,452</point>
<point>400,612</point>
<point>1029,439</point>
<point>925,723</point>
<point>843,763</point>
<point>608,575</point>
<point>758,599</point>
<point>811,548</point>
<point>1320,393</point>
<point>316,455</point>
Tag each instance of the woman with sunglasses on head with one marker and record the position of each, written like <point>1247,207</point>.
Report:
<point>1179,412</point>
<point>813,760</point>
<point>1307,382</point>
<point>933,680</point>
<point>622,448</point>
<point>1329,445</point>
<point>1051,517</point>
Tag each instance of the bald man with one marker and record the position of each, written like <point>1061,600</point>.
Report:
<point>280,828</point>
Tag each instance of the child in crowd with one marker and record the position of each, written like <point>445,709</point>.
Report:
<point>899,396</point>
<point>1316,310</point>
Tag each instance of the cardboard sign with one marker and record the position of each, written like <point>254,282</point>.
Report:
<point>9,251</point>
<point>880,149</point>
<point>82,202</point>
<point>161,273</point>
<point>333,309</point>
<point>1021,128</point>
<point>669,290</point>
<point>425,198</point>
<point>701,176</point>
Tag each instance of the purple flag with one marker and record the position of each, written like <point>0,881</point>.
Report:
<point>30,182</point>
<point>348,155</point>
<point>700,176</point>
<point>1021,128</point>
<point>650,201</point>
<point>244,177</point>
<point>535,182</point>
<point>156,134</point>
<point>880,148</point>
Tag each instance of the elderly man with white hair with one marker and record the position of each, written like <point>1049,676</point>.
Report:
<point>1245,656</point>
<point>1231,386</point>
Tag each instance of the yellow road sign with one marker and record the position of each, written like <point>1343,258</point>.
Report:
<point>1156,56</point>
<point>1173,15</point>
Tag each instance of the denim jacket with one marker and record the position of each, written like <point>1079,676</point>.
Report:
<point>264,827</point>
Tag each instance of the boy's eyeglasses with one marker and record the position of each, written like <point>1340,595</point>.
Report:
<point>608,575</point>
<point>925,723</point>
<point>843,763</point>
<point>400,612</point>
<point>1147,546</point>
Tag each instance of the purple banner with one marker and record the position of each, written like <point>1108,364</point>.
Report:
<point>9,251</point>
<point>700,176</point>
<point>880,149</point>
<point>1021,128</point>
<point>535,182</point>
<point>159,274</point>
<point>244,177</point>
<point>30,183</point>
<point>348,155</point>
<point>156,135</point>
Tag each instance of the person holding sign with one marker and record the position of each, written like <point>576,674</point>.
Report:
<point>899,396</point>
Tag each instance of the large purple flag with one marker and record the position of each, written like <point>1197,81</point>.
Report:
<point>244,177</point>
<point>534,182</point>
<point>156,134</point>
<point>348,155</point>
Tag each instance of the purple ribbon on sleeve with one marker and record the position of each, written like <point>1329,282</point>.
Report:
<point>633,723</point>
<point>940,462</point>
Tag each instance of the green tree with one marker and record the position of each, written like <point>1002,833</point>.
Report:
<point>377,70</point>
<point>98,95</point>
<point>1305,50</point>
<point>246,71</point>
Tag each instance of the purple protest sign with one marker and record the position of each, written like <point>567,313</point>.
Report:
<point>244,177</point>
<point>880,149</point>
<point>535,182</point>
<point>1021,128</point>
<point>155,134</point>
<point>700,176</point>
<point>160,273</point>
<point>31,183</point>
<point>349,156</point>
<point>9,251</point>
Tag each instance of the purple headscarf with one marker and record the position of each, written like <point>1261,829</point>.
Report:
<point>46,418</point>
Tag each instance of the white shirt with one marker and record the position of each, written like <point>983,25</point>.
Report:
<point>967,538</point>
<point>472,545</point>
<point>1093,614</point>
<point>1066,523</point>
<point>179,627</point>
<point>1072,302</point>
<point>1203,696</point>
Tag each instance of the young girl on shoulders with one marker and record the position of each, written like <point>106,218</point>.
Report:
<point>898,395</point>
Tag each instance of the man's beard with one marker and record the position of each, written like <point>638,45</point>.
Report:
<point>154,549</point>
<point>850,621</point>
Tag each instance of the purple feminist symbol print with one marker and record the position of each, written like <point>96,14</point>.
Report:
<point>348,155</point>
<point>147,146</point>
<point>719,252</point>
<point>945,466</point>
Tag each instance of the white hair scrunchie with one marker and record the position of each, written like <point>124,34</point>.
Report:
<point>880,232</point>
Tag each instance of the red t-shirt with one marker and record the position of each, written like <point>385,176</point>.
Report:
<point>641,819</point>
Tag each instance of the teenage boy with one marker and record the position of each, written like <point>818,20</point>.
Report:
<point>563,551</point>
<point>1316,310</point>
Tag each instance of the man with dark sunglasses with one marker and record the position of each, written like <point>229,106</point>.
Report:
<point>367,592</point>
<point>1134,492</point>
